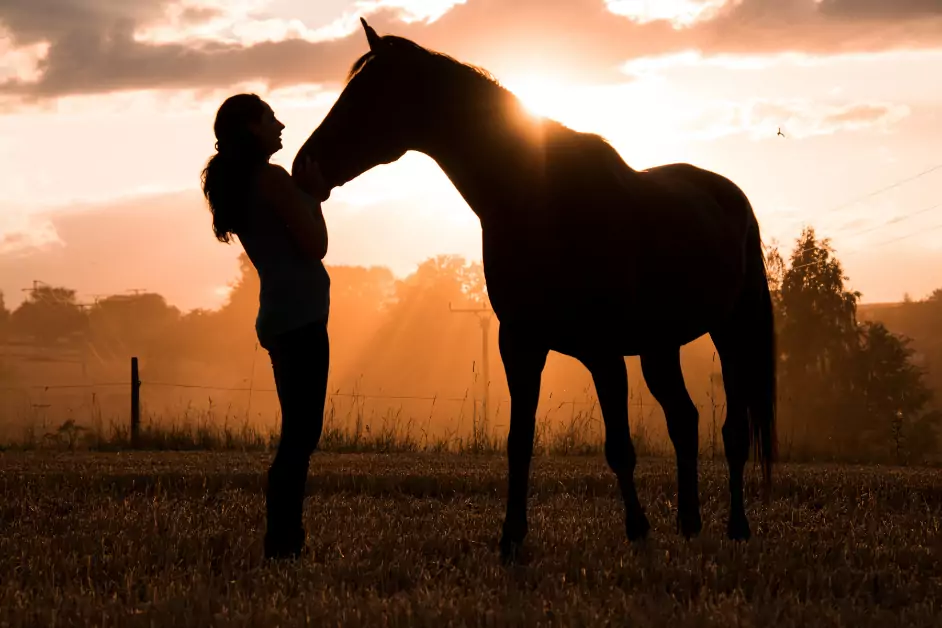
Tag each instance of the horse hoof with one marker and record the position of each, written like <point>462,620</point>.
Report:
<point>738,529</point>
<point>636,528</point>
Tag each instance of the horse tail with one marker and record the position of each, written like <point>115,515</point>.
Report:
<point>758,328</point>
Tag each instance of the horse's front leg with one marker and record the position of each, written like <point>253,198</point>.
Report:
<point>524,359</point>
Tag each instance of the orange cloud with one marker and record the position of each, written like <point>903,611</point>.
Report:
<point>100,46</point>
<point>804,119</point>
<point>163,242</point>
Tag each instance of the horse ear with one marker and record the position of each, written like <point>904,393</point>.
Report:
<point>371,36</point>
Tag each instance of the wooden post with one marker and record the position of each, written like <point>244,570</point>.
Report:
<point>135,404</point>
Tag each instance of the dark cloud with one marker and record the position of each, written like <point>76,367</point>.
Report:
<point>198,15</point>
<point>32,21</point>
<point>92,48</point>
<point>825,26</point>
<point>880,9</point>
<point>83,63</point>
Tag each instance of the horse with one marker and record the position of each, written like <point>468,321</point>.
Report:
<point>582,255</point>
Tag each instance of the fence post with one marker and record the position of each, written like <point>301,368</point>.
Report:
<point>135,403</point>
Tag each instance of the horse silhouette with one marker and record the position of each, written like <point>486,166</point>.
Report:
<point>582,255</point>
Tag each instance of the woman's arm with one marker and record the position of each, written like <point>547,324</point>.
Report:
<point>295,208</point>
<point>314,207</point>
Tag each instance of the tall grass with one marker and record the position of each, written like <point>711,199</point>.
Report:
<point>356,430</point>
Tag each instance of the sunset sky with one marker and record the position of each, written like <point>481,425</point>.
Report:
<point>106,113</point>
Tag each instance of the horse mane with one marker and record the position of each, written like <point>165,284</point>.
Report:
<point>453,71</point>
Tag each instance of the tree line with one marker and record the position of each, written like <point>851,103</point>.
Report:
<point>848,387</point>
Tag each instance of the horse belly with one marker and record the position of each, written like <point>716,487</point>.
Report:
<point>617,295</point>
<point>638,311</point>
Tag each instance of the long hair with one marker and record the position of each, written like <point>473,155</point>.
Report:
<point>227,175</point>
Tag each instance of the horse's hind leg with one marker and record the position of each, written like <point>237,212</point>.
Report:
<point>611,385</point>
<point>523,360</point>
<point>735,427</point>
<point>665,380</point>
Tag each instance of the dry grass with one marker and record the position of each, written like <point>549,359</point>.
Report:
<point>167,539</point>
<point>581,434</point>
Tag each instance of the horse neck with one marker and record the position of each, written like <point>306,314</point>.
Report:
<point>496,163</point>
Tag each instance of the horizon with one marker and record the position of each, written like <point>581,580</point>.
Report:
<point>692,81</point>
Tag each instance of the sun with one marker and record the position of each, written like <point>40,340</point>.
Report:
<point>580,107</point>
<point>542,95</point>
<point>632,115</point>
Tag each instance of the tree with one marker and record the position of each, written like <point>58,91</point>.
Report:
<point>4,318</point>
<point>775,270</point>
<point>50,317</point>
<point>360,298</point>
<point>819,324</point>
<point>419,345</point>
<point>893,394</point>
<point>447,278</point>
<point>817,330</point>
<point>130,325</point>
<point>847,387</point>
<point>233,336</point>
<point>5,372</point>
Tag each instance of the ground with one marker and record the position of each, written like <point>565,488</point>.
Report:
<point>161,539</point>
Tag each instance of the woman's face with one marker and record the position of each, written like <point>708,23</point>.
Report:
<point>268,131</point>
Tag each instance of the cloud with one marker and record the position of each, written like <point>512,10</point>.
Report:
<point>160,242</point>
<point>880,9</point>
<point>680,13</point>
<point>22,232</point>
<point>797,118</point>
<point>101,46</point>
<point>409,11</point>
<point>823,26</point>
<point>163,242</point>
<point>30,238</point>
<point>97,46</point>
<point>20,62</point>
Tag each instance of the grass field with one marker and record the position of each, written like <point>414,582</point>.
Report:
<point>174,539</point>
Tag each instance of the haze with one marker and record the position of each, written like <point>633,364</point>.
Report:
<point>107,116</point>
<point>827,113</point>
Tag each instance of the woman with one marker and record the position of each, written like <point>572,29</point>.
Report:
<point>279,222</point>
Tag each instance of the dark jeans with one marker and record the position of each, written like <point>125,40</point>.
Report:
<point>299,360</point>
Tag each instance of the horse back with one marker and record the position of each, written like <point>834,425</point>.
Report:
<point>610,247</point>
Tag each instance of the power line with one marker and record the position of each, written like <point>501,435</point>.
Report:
<point>892,221</point>
<point>271,390</point>
<point>909,235</point>
<point>873,193</point>
<point>62,386</point>
<point>224,388</point>
<point>896,220</point>
<point>873,246</point>
<point>44,387</point>
<point>891,186</point>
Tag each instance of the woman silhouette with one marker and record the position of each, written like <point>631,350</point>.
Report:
<point>278,220</point>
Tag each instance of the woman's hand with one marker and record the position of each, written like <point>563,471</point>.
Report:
<point>309,178</point>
